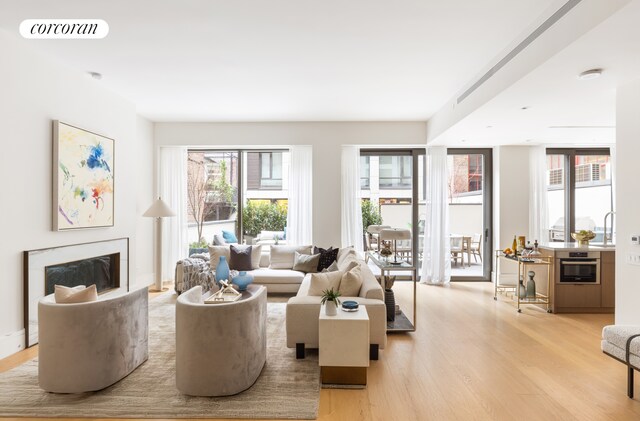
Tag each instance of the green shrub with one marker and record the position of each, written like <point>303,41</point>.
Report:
<point>258,217</point>
<point>370,214</point>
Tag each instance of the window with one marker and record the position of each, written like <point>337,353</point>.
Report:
<point>395,172</point>
<point>264,170</point>
<point>579,191</point>
<point>474,172</point>
<point>365,179</point>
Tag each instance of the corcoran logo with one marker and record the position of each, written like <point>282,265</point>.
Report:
<point>64,28</point>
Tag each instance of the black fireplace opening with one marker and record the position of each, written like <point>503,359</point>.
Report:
<point>103,271</point>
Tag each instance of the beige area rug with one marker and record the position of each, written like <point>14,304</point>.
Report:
<point>287,388</point>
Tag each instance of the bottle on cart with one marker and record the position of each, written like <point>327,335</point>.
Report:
<point>514,246</point>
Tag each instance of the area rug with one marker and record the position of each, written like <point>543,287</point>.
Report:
<point>287,388</point>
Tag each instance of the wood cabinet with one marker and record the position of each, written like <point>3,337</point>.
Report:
<point>572,298</point>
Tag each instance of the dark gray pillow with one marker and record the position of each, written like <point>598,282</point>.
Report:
<point>306,263</point>
<point>240,257</point>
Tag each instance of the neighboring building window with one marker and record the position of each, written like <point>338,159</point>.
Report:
<point>395,172</point>
<point>365,179</point>
<point>475,172</point>
<point>264,170</point>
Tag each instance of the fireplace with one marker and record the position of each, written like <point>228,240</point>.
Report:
<point>103,263</point>
<point>101,271</point>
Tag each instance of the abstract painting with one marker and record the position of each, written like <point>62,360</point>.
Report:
<point>83,178</point>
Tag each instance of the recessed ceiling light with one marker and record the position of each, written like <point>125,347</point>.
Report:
<point>528,140</point>
<point>489,127</point>
<point>95,75</point>
<point>463,140</point>
<point>590,74</point>
<point>526,107</point>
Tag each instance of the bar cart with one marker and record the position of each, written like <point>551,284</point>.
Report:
<point>509,283</point>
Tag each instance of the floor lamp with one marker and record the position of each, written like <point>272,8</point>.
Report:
<point>159,209</point>
<point>395,234</point>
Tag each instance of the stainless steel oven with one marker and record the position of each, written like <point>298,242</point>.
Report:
<point>579,267</point>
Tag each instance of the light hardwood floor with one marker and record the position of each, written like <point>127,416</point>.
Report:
<point>473,358</point>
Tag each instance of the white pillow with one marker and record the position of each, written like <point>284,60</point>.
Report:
<point>323,281</point>
<point>256,255</point>
<point>216,251</point>
<point>283,257</point>
<point>351,282</point>
<point>74,295</point>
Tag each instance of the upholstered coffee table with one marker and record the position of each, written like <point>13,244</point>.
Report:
<point>344,347</point>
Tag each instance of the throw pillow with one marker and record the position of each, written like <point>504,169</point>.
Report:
<point>344,252</point>
<point>282,257</point>
<point>218,240</point>
<point>240,257</point>
<point>327,257</point>
<point>74,295</point>
<point>351,282</point>
<point>307,263</point>
<point>256,255</point>
<point>332,268</point>
<point>321,282</point>
<point>229,236</point>
<point>215,252</point>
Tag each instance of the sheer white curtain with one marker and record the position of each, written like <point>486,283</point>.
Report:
<point>300,213</point>
<point>436,263</point>
<point>612,151</point>
<point>538,210</point>
<point>173,190</point>
<point>351,216</point>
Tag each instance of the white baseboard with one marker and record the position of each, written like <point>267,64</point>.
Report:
<point>11,343</point>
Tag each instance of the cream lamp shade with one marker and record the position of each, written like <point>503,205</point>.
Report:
<point>395,234</point>
<point>159,209</point>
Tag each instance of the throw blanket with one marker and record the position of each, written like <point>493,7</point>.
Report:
<point>191,272</point>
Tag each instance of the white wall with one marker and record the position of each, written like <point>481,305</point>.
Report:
<point>627,202</point>
<point>34,91</point>
<point>511,194</point>
<point>145,249</point>
<point>326,139</point>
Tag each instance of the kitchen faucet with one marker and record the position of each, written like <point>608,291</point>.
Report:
<point>605,239</point>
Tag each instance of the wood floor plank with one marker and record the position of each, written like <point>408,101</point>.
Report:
<point>476,358</point>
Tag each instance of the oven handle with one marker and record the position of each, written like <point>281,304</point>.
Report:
<point>579,263</point>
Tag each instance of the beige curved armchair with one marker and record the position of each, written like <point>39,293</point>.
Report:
<point>88,346</point>
<point>220,348</point>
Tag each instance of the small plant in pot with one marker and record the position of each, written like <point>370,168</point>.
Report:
<point>330,301</point>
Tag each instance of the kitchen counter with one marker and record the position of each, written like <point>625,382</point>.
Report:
<point>576,247</point>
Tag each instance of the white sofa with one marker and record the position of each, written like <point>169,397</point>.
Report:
<point>196,271</point>
<point>303,309</point>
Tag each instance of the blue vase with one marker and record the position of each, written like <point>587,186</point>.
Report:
<point>222,270</point>
<point>242,280</point>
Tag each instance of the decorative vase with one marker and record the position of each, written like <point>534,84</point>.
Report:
<point>522,290</point>
<point>331,308</point>
<point>242,280</point>
<point>531,285</point>
<point>222,270</point>
<point>390,303</point>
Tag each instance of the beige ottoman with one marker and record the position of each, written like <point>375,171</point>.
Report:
<point>220,348</point>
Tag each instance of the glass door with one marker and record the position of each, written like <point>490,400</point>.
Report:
<point>469,195</point>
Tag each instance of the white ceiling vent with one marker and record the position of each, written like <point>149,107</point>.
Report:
<point>524,44</point>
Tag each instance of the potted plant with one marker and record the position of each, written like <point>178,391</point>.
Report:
<point>370,216</point>
<point>223,207</point>
<point>198,247</point>
<point>330,301</point>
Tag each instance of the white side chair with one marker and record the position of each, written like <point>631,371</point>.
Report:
<point>89,346</point>
<point>456,249</point>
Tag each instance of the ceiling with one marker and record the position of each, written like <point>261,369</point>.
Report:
<point>293,60</point>
<point>560,108</point>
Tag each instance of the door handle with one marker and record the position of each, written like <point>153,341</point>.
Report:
<point>486,234</point>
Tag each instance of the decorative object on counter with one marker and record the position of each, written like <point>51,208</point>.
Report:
<point>386,252</point>
<point>330,301</point>
<point>531,285</point>
<point>522,290</point>
<point>507,251</point>
<point>222,270</point>
<point>521,243</point>
<point>242,280</point>
<point>535,252</point>
<point>514,246</point>
<point>583,237</point>
<point>350,306</point>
